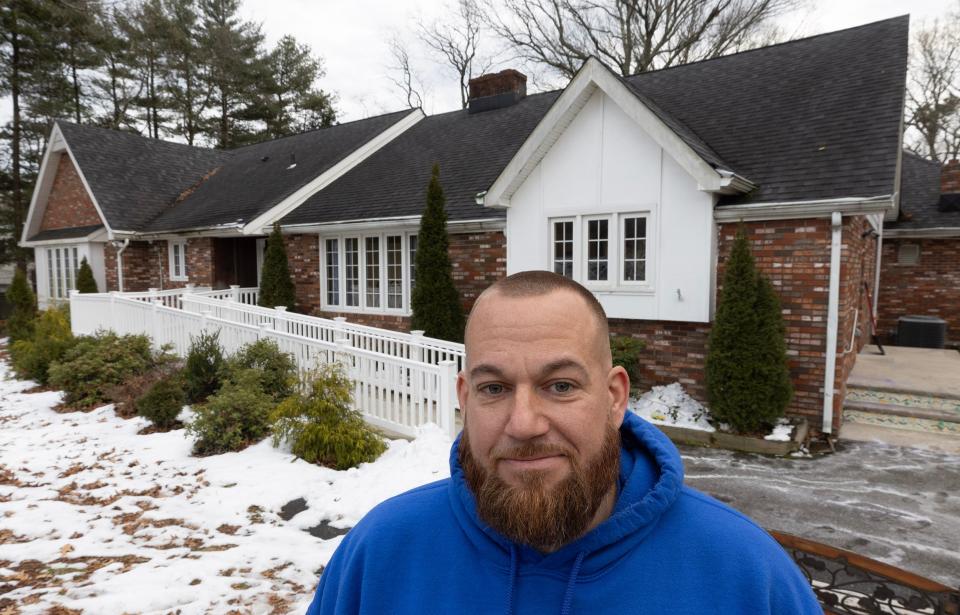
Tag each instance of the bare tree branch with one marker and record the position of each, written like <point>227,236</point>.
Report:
<point>401,73</point>
<point>933,91</point>
<point>457,41</point>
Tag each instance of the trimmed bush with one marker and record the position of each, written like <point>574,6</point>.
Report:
<point>435,301</point>
<point>276,286</point>
<point>24,307</point>
<point>626,353</point>
<point>203,368</point>
<point>51,339</point>
<point>163,402</point>
<point>748,385</point>
<point>323,428</point>
<point>278,372</point>
<point>85,281</point>
<point>235,417</point>
<point>96,363</point>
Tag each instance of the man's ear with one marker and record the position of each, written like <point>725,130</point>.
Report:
<point>618,384</point>
<point>462,389</point>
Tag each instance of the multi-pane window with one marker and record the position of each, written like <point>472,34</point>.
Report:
<point>333,272</point>
<point>62,266</point>
<point>412,243</point>
<point>634,248</point>
<point>372,260</point>
<point>372,271</point>
<point>351,263</point>
<point>597,249</point>
<point>394,271</point>
<point>178,259</point>
<point>563,248</point>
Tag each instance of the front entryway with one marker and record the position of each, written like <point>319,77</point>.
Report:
<point>235,262</point>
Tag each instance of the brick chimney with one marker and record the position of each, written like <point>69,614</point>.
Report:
<point>496,90</point>
<point>950,177</point>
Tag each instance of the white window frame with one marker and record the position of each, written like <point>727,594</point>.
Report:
<point>62,279</point>
<point>363,307</point>
<point>172,260</point>
<point>573,240</point>
<point>616,227</point>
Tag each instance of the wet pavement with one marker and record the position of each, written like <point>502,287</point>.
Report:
<point>897,505</point>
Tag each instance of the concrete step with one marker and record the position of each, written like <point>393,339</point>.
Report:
<point>898,409</point>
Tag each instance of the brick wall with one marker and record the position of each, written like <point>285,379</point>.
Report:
<point>303,257</point>
<point>950,177</point>
<point>929,288</point>
<point>69,205</point>
<point>146,264</point>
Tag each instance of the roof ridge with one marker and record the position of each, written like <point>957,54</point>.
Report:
<point>780,44</point>
<point>137,135</point>
<point>921,158</point>
<point>306,132</point>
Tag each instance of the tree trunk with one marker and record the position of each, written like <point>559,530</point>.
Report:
<point>20,258</point>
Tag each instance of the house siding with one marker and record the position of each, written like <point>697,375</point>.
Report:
<point>69,204</point>
<point>146,265</point>
<point>931,287</point>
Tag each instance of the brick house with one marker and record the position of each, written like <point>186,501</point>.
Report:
<point>633,186</point>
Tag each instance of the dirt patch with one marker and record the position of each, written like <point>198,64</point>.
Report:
<point>151,428</point>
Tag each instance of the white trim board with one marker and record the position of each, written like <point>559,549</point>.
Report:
<point>803,209</point>
<point>261,223</point>
<point>943,232</point>
<point>594,75</point>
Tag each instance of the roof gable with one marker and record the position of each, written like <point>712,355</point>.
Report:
<point>922,206</point>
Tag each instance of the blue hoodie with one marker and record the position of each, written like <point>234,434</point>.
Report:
<point>666,548</point>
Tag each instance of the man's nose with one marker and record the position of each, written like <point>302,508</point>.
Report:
<point>527,419</point>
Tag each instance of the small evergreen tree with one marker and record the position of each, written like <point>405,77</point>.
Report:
<point>24,303</point>
<point>204,367</point>
<point>85,281</point>
<point>435,301</point>
<point>276,287</point>
<point>748,383</point>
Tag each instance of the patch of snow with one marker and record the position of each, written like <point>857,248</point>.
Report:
<point>671,405</point>
<point>122,522</point>
<point>782,432</point>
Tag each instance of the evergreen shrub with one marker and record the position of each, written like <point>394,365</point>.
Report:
<point>85,281</point>
<point>98,362</point>
<point>163,402</point>
<point>203,367</point>
<point>24,307</point>
<point>435,301</point>
<point>322,427</point>
<point>626,352</point>
<point>277,370</point>
<point>276,286</point>
<point>51,338</point>
<point>748,382</point>
<point>233,418</point>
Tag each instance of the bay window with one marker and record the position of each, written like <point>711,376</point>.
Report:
<point>376,275</point>
<point>62,265</point>
<point>604,252</point>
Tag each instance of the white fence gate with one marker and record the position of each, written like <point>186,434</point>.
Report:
<point>398,392</point>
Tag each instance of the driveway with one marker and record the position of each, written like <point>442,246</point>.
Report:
<point>897,505</point>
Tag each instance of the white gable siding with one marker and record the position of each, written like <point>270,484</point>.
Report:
<point>604,163</point>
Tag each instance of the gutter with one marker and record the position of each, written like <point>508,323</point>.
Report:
<point>788,210</point>
<point>126,242</point>
<point>731,183</point>
<point>833,309</point>
<point>944,232</point>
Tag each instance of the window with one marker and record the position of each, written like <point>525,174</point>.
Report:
<point>908,254</point>
<point>177,250</point>
<point>62,266</point>
<point>563,248</point>
<point>412,242</point>
<point>597,249</point>
<point>634,249</point>
<point>608,252</point>
<point>376,274</point>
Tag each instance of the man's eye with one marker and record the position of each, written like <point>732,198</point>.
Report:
<point>492,389</point>
<point>561,387</point>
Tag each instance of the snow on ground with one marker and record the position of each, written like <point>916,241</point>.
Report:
<point>671,405</point>
<point>96,518</point>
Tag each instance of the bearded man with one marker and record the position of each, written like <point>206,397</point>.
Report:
<point>559,501</point>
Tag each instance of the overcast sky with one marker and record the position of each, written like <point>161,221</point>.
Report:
<point>351,37</point>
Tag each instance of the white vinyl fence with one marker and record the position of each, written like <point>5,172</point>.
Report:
<point>171,296</point>
<point>392,392</point>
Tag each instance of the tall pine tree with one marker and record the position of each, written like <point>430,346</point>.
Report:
<point>276,287</point>
<point>748,385</point>
<point>435,302</point>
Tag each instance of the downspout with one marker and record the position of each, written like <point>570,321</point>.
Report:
<point>833,309</point>
<point>120,250</point>
<point>876,281</point>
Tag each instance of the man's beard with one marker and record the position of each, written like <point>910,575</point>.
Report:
<point>545,518</point>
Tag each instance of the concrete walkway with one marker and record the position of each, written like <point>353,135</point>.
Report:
<point>897,505</point>
<point>908,370</point>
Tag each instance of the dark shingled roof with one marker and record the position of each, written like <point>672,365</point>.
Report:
<point>921,204</point>
<point>471,148</point>
<point>257,177</point>
<point>815,118</point>
<point>133,178</point>
<point>65,233</point>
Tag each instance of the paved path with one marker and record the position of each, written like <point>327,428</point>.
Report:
<point>897,505</point>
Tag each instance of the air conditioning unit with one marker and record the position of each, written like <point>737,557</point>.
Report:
<point>921,331</point>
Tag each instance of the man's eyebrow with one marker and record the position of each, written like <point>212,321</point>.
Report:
<point>559,364</point>
<point>486,369</point>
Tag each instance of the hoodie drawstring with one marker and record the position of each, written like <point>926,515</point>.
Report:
<point>513,578</point>
<point>568,595</point>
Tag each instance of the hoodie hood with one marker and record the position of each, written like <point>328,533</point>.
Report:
<point>651,477</point>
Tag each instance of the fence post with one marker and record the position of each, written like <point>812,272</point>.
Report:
<point>280,322</point>
<point>235,293</point>
<point>155,320</point>
<point>263,331</point>
<point>187,290</point>
<point>204,316</point>
<point>113,311</point>
<point>75,312</point>
<point>416,344</point>
<point>338,322</point>
<point>154,293</point>
<point>445,410</point>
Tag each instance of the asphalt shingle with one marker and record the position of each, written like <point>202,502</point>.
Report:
<point>921,204</point>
